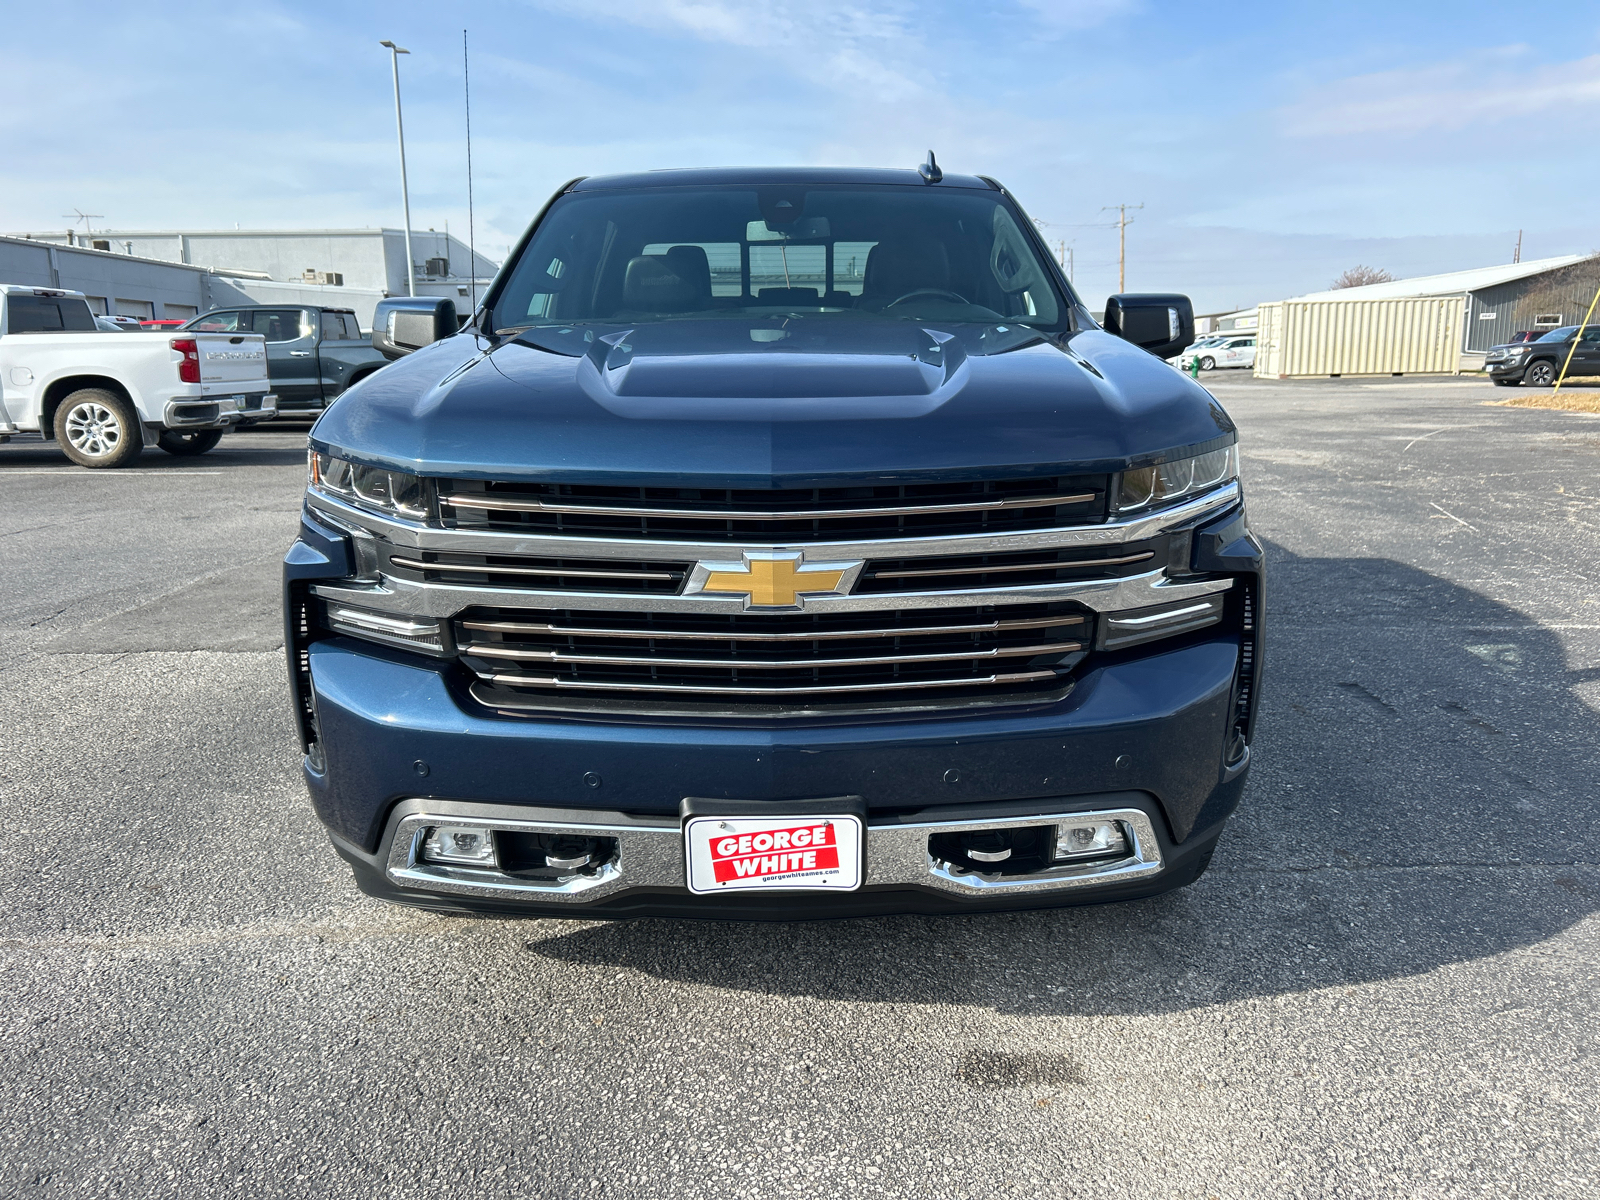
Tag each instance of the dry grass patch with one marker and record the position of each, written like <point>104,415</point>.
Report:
<point>1567,402</point>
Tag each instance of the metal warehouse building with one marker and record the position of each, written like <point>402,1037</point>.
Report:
<point>366,259</point>
<point>1430,324</point>
<point>132,286</point>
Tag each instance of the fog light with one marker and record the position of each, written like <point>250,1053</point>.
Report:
<point>463,844</point>
<point>1090,839</point>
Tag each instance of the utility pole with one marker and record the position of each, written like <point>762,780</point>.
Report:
<point>405,191</point>
<point>1122,241</point>
<point>1516,255</point>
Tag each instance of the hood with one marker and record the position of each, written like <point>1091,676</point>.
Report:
<point>772,403</point>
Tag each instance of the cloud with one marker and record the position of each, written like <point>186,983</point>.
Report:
<point>752,25</point>
<point>1063,15</point>
<point>1480,90</point>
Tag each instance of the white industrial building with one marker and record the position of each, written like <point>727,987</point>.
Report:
<point>348,268</point>
<point>1427,324</point>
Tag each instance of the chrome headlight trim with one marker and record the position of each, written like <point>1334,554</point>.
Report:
<point>397,494</point>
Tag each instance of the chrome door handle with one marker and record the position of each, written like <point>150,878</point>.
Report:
<point>299,354</point>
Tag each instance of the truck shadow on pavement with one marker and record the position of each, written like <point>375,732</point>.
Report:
<point>1424,793</point>
<point>235,450</point>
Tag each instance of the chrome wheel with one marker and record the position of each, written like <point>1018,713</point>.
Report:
<point>94,430</point>
<point>1541,374</point>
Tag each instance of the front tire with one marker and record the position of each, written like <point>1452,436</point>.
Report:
<point>1540,374</point>
<point>188,442</point>
<point>98,429</point>
<point>1208,363</point>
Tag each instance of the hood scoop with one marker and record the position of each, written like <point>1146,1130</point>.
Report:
<point>731,360</point>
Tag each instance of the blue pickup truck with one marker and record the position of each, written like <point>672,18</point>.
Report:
<point>313,353</point>
<point>776,543</point>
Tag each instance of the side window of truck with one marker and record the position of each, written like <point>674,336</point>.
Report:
<point>339,327</point>
<point>217,322</point>
<point>277,324</point>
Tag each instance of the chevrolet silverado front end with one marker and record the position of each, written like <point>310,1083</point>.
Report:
<point>776,543</point>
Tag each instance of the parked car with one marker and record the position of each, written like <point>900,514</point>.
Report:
<point>115,325</point>
<point>105,394</point>
<point>659,591</point>
<point>1525,335</point>
<point>166,323</point>
<point>1232,350</point>
<point>1540,363</point>
<point>314,354</point>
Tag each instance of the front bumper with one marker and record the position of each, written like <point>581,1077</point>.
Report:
<point>402,748</point>
<point>219,412</point>
<point>901,874</point>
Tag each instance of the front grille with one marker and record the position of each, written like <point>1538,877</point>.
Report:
<point>1020,568</point>
<point>527,658</point>
<point>542,574</point>
<point>780,517</point>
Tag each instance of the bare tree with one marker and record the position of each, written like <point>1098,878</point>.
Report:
<point>1361,276</point>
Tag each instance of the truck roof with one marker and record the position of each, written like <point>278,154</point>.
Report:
<point>28,289</point>
<point>284,304</point>
<point>773,177</point>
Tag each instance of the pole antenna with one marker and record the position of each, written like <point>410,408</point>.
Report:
<point>472,245</point>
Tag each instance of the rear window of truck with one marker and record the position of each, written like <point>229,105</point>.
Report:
<point>48,314</point>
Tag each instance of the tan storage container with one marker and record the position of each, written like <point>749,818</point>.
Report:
<point>1319,338</point>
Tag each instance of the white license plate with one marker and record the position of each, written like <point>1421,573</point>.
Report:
<point>774,854</point>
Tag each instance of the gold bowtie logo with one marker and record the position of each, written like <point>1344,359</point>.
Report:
<point>774,580</point>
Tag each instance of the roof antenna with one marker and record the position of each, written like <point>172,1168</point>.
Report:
<point>930,171</point>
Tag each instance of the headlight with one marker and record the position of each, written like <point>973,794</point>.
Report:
<point>397,493</point>
<point>1172,481</point>
<point>1511,350</point>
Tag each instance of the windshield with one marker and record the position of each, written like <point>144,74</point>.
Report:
<point>864,253</point>
<point>1560,335</point>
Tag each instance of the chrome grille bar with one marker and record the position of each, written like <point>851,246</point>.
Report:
<point>733,690</point>
<point>1009,567</point>
<point>803,636</point>
<point>491,650</point>
<point>490,503</point>
<point>485,569</point>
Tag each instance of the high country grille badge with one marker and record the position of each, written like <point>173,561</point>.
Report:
<point>773,578</point>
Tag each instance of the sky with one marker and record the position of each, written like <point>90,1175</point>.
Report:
<point>1271,145</point>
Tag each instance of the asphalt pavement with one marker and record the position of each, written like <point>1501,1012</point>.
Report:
<point>1386,985</point>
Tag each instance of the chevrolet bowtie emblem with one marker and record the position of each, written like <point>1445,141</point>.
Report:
<point>774,578</point>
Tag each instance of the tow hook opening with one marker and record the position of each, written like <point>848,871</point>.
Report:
<point>1032,849</point>
<point>553,856</point>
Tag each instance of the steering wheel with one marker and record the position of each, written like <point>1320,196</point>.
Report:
<point>945,292</point>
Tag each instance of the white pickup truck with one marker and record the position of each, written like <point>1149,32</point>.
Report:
<point>106,395</point>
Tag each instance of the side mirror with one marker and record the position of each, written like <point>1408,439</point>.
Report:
<point>401,324</point>
<point>1161,324</point>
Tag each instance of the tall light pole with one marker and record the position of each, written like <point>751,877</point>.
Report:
<point>405,191</point>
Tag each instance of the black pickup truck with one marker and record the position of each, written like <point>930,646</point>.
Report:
<point>313,353</point>
<point>1540,362</point>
